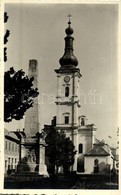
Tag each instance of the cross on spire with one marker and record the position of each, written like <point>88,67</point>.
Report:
<point>69,17</point>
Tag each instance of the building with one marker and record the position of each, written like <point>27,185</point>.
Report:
<point>68,120</point>
<point>11,151</point>
<point>99,159</point>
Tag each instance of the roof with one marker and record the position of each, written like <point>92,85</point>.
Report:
<point>97,150</point>
<point>10,135</point>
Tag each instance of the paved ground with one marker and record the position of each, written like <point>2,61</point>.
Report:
<point>97,182</point>
<point>40,183</point>
<point>96,185</point>
<point>61,182</point>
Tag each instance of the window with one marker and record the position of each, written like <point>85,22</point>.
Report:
<point>66,119</point>
<point>80,148</point>
<point>82,121</point>
<point>13,147</point>
<point>96,162</point>
<point>16,148</point>
<point>96,166</point>
<point>9,146</point>
<point>6,145</point>
<point>5,165</point>
<point>12,163</point>
<point>8,167</point>
<point>15,160</point>
<point>66,91</point>
<point>8,160</point>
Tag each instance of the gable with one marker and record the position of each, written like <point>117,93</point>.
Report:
<point>97,150</point>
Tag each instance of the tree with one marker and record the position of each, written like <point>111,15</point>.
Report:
<point>67,154</point>
<point>19,94</point>
<point>60,150</point>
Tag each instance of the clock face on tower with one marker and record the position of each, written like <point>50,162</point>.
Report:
<point>66,79</point>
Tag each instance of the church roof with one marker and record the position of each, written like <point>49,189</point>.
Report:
<point>97,150</point>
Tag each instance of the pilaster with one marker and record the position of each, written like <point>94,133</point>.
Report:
<point>42,165</point>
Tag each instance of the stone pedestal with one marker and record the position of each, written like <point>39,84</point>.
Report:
<point>33,157</point>
<point>28,156</point>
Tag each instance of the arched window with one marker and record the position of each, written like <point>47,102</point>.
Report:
<point>66,91</point>
<point>82,121</point>
<point>96,162</point>
<point>80,148</point>
<point>96,166</point>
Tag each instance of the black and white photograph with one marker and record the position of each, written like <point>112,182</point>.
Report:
<point>61,128</point>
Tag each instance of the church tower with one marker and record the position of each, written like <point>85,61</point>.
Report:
<point>67,99</point>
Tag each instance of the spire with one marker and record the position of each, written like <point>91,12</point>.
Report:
<point>68,60</point>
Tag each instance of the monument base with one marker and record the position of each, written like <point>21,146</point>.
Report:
<point>43,170</point>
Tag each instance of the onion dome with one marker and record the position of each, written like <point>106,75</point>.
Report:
<point>68,59</point>
<point>69,30</point>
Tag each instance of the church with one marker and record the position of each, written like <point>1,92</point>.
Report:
<point>92,155</point>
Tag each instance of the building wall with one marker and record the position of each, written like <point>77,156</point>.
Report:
<point>104,163</point>
<point>68,107</point>
<point>85,137</point>
<point>110,161</point>
<point>74,82</point>
<point>66,110</point>
<point>64,104</point>
<point>11,154</point>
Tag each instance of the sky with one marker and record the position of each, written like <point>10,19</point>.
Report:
<point>37,31</point>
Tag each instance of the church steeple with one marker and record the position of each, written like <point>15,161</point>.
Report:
<point>67,99</point>
<point>68,60</point>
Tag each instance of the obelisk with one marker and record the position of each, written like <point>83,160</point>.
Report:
<point>32,115</point>
<point>32,148</point>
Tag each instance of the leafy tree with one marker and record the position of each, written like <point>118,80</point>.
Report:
<point>67,154</point>
<point>19,94</point>
<point>60,150</point>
